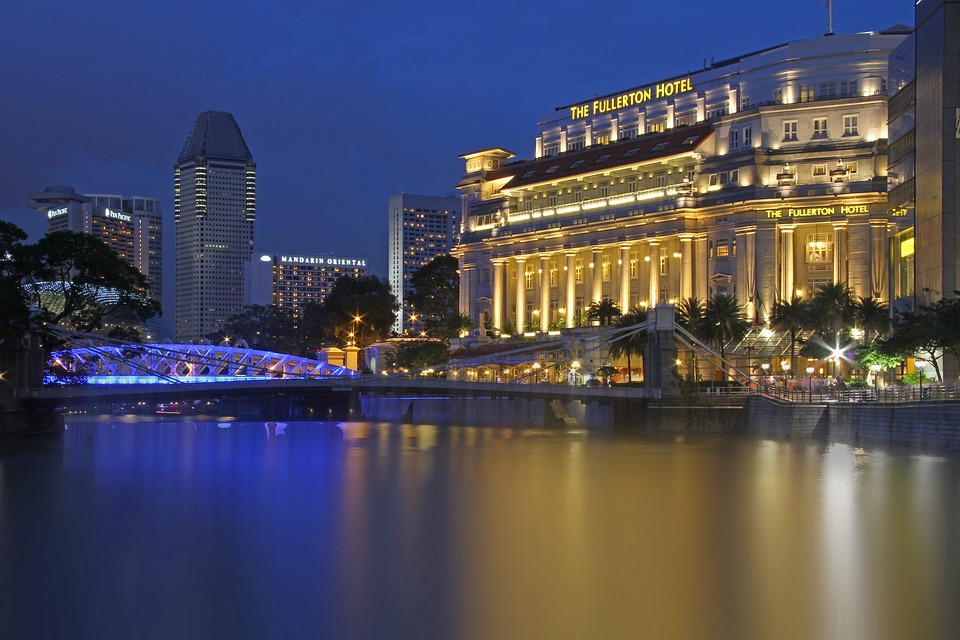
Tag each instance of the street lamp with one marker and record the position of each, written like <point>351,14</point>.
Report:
<point>536,372</point>
<point>574,366</point>
<point>810,382</point>
<point>765,366</point>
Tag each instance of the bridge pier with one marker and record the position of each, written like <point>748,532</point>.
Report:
<point>661,355</point>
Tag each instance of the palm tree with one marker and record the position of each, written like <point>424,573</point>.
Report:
<point>603,310</point>
<point>630,343</point>
<point>793,317</point>
<point>833,308</point>
<point>690,313</point>
<point>724,322</point>
<point>872,314</point>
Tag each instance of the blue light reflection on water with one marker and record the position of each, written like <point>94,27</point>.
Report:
<point>259,530</point>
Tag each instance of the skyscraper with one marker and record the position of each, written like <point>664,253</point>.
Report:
<point>214,211</point>
<point>421,228</point>
<point>133,227</point>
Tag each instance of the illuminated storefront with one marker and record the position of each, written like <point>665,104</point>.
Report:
<point>761,177</point>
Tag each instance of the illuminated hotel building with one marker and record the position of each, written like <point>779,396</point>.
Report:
<point>762,176</point>
<point>421,228</point>
<point>214,211</point>
<point>292,281</point>
<point>133,227</point>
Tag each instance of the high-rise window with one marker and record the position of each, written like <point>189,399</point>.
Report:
<point>851,125</point>
<point>789,130</point>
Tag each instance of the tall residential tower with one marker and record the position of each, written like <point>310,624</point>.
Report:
<point>421,228</point>
<point>214,211</point>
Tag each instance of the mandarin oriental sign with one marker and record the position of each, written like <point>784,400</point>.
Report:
<point>631,98</point>
<point>324,261</point>
<point>807,212</point>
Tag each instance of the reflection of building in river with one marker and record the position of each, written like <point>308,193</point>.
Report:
<point>762,177</point>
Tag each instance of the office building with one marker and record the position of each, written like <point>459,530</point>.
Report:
<point>133,227</point>
<point>214,212</point>
<point>763,177</point>
<point>421,228</point>
<point>291,281</point>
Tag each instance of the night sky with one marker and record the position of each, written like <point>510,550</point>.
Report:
<point>342,103</point>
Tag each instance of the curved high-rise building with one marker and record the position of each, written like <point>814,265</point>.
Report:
<point>214,211</point>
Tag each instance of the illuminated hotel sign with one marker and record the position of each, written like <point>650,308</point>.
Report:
<point>117,215</point>
<point>322,261</point>
<point>807,212</point>
<point>631,98</point>
<point>53,213</point>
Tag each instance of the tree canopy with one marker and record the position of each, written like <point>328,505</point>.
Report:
<point>268,328</point>
<point>76,281</point>
<point>435,295</point>
<point>364,307</point>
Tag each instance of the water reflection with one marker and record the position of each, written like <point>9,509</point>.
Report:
<point>271,529</point>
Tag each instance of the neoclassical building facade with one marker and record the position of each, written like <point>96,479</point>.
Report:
<point>762,177</point>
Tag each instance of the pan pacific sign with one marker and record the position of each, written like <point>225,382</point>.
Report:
<point>631,98</point>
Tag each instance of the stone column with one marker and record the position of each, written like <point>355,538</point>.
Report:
<point>596,289</point>
<point>571,288</point>
<point>465,292</point>
<point>879,260</point>
<point>839,252</point>
<point>498,293</point>
<point>686,266</point>
<point>544,292</point>
<point>701,286</point>
<point>747,270</point>
<point>786,263</point>
<point>624,270</point>
<point>654,273</point>
<point>521,294</point>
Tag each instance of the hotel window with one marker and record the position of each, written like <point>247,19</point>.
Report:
<point>528,205</point>
<point>528,276</point>
<point>553,198</point>
<point>601,137</point>
<point>789,130</point>
<point>551,149</point>
<point>734,139</point>
<point>828,90</point>
<point>634,264</point>
<point>578,195</point>
<point>664,261</point>
<point>723,249</point>
<point>553,274</point>
<point>632,186</point>
<point>819,248</point>
<point>685,119</point>
<point>627,132</point>
<point>485,275</point>
<point>709,248</point>
<point>575,144</point>
<point>744,103</point>
<point>661,178</point>
<point>660,146</point>
<point>577,164</point>
<point>819,170</point>
<point>631,152</point>
<point>748,136</point>
<point>604,191</point>
<point>848,89</point>
<point>552,168</point>
<point>819,127</point>
<point>778,95</point>
<point>657,126</point>
<point>851,168</point>
<point>717,111</point>
<point>605,268</point>
<point>851,125</point>
<point>806,93</point>
<point>578,271</point>
<point>602,158</point>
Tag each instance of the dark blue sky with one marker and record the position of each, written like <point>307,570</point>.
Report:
<point>341,103</point>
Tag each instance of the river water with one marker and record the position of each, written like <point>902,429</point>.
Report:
<point>127,529</point>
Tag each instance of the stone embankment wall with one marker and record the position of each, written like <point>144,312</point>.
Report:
<point>927,424</point>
